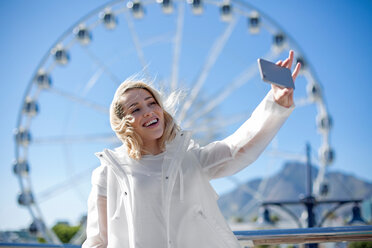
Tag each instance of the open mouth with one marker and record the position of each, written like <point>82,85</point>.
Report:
<point>151,123</point>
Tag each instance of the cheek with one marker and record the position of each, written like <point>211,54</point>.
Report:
<point>161,114</point>
<point>136,122</point>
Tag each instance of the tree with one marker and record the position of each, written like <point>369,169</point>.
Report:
<point>360,244</point>
<point>65,232</point>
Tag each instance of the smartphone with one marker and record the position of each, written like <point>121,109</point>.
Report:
<point>274,74</point>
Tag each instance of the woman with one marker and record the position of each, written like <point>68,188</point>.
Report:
<point>154,190</point>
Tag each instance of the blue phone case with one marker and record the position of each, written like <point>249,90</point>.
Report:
<point>275,74</point>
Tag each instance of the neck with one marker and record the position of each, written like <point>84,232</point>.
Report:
<point>151,147</point>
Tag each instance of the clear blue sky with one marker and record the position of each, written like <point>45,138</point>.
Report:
<point>335,35</point>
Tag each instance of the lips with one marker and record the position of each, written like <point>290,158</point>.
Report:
<point>151,122</point>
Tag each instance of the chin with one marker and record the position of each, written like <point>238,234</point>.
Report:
<point>155,135</point>
<point>159,135</point>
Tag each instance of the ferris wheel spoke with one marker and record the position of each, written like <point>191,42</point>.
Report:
<point>214,53</point>
<point>165,38</point>
<point>61,187</point>
<point>246,189</point>
<point>82,101</point>
<point>277,153</point>
<point>259,194</point>
<point>49,235</point>
<point>177,46</point>
<point>218,123</point>
<point>102,65</point>
<point>136,42</point>
<point>256,197</point>
<point>92,81</point>
<point>223,94</point>
<point>249,206</point>
<point>37,215</point>
<point>285,155</point>
<point>301,102</point>
<point>239,81</point>
<point>102,138</point>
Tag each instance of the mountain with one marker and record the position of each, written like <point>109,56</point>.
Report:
<point>287,185</point>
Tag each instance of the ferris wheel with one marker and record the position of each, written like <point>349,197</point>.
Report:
<point>208,48</point>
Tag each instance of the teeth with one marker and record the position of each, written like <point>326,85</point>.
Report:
<point>151,122</point>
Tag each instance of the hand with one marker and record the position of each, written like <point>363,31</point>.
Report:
<point>284,96</point>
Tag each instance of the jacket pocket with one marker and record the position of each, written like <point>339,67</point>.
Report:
<point>198,230</point>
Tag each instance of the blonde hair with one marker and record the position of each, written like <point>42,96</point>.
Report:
<point>122,124</point>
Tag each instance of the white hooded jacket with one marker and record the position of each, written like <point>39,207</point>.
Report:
<point>192,216</point>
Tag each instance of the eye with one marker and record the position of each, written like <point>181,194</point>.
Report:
<point>135,110</point>
<point>152,103</point>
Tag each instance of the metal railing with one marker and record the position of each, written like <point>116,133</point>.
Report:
<point>21,245</point>
<point>272,237</point>
<point>304,235</point>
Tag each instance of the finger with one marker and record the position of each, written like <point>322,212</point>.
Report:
<point>291,55</point>
<point>285,91</point>
<point>296,71</point>
<point>290,95</point>
<point>290,91</point>
<point>285,62</point>
<point>279,63</point>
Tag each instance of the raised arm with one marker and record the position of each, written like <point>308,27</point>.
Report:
<point>227,157</point>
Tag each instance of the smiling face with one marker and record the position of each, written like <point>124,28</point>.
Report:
<point>148,116</point>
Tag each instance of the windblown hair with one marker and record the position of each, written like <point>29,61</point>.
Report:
<point>122,124</point>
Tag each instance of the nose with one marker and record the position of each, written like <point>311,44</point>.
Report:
<point>148,113</point>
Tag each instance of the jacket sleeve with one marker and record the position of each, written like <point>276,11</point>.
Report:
<point>229,156</point>
<point>96,229</point>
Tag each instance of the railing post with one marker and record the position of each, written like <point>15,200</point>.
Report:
<point>309,200</point>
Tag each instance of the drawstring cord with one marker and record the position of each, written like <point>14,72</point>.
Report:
<point>181,184</point>
<point>119,206</point>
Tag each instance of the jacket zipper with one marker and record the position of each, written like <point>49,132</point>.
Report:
<point>172,171</point>
<point>115,167</point>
